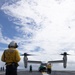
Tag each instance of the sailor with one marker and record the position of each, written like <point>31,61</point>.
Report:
<point>11,58</point>
<point>30,68</point>
<point>49,68</point>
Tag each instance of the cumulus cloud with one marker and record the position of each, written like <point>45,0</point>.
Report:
<point>46,24</point>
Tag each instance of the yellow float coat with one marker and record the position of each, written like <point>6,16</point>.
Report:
<point>10,55</point>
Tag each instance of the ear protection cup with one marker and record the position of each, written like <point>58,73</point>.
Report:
<point>16,46</point>
<point>8,46</point>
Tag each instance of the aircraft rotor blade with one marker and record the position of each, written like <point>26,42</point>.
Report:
<point>65,53</point>
<point>26,54</point>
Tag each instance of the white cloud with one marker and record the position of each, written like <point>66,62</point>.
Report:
<point>56,18</point>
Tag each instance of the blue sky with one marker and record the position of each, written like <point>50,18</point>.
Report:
<point>8,27</point>
<point>43,28</point>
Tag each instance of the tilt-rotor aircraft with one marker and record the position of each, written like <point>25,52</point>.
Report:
<point>63,60</point>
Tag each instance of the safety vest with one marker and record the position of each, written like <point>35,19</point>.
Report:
<point>49,66</point>
<point>10,55</point>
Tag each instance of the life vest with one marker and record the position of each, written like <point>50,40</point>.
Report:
<point>10,55</point>
<point>49,66</point>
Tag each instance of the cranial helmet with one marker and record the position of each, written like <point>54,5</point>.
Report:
<point>48,63</point>
<point>13,44</point>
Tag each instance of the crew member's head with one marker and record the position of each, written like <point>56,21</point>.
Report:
<point>48,63</point>
<point>12,44</point>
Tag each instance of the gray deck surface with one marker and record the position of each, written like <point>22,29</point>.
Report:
<point>29,73</point>
<point>38,73</point>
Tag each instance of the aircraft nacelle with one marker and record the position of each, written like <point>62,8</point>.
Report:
<point>64,61</point>
<point>25,61</point>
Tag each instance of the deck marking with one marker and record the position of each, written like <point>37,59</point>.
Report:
<point>44,73</point>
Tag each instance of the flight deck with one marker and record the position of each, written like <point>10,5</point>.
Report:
<point>43,73</point>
